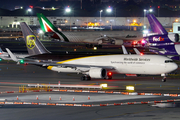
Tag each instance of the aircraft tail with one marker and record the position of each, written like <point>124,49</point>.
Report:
<point>47,26</point>
<point>1,51</point>
<point>156,26</point>
<point>33,44</point>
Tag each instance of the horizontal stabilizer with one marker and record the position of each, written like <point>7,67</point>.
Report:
<point>13,57</point>
<point>136,51</point>
<point>124,50</point>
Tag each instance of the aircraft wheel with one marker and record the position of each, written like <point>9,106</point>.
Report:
<point>164,79</point>
<point>108,77</point>
<point>82,78</point>
<point>85,77</point>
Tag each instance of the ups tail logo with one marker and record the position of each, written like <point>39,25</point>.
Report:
<point>31,39</point>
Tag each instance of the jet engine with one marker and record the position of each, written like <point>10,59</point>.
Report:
<point>117,42</point>
<point>97,73</point>
<point>174,37</point>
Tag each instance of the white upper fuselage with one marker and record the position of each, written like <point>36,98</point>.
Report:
<point>95,36</point>
<point>125,64</point>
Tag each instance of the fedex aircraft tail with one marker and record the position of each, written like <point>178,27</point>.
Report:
<point>156,25</point>
<point>47,26</point>
<point>33,44</point>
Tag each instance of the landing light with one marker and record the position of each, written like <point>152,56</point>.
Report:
<point>95,48</point>
<point>129,87</point>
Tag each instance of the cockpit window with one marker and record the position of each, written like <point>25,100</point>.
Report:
<point>168,61</point>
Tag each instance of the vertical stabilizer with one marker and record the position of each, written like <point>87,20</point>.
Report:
<point>156,25</point>
<point>33,44</point>
<point>47,26</point>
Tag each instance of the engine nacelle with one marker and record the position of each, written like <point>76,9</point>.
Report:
<point>97,73</point>
<point>117,42</point>
<point>174,37</point>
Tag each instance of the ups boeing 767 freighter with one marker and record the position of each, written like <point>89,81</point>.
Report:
<point>94,66</point>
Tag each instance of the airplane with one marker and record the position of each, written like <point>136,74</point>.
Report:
<point>6,56</point>
<point>90,38</point>
<point>162,42</point>
<point>94,65</point>
<point>160,36</point>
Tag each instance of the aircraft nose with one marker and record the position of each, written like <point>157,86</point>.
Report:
<point>174,66</point>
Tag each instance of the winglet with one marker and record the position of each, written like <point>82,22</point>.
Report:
<point>124,50</point>
<point>156,26</point>
<point>13,57</point>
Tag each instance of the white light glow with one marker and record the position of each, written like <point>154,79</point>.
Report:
<point>29,10</point>
<point>103,85</point>
<point>129,87</point>
<point>68,10</point>
<point>109,10</point>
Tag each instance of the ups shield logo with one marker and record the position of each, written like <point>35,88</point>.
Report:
<point>31,39</point>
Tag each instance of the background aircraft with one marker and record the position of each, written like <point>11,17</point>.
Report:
<point>6,56</point>
<point>92,65</point>
<point>96,37</point>
<point>162,42</point>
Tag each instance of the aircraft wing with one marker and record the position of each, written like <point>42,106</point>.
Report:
<point>44,64</point>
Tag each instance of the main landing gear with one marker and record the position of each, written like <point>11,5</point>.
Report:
<point>85,77</point>
<point>164,79</point>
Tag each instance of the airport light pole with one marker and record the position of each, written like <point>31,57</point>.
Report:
<point>144,18</point>
<point>146,11</point>
<point>68,10</point>
<point>29,11</point>
<point>100,17</point>
<point>109,10</point>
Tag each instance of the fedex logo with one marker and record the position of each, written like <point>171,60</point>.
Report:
<point>158,39</point>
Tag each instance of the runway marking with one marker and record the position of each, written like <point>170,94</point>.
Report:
<point>161,87</point>
<point>132,85</point>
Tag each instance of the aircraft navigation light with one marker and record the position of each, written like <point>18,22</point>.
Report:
<point>109,73</point>
<point>0,59</point>
<point>141,54</point>
<point>21,61</point>
<point>129,87</point>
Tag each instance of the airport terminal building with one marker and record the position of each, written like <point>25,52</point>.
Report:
<point>67,23</point>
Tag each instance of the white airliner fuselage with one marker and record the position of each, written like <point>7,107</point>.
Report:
<point>125,64</point>
<point>103,37</point>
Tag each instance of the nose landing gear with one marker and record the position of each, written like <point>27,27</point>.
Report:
<point>164,79</point>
